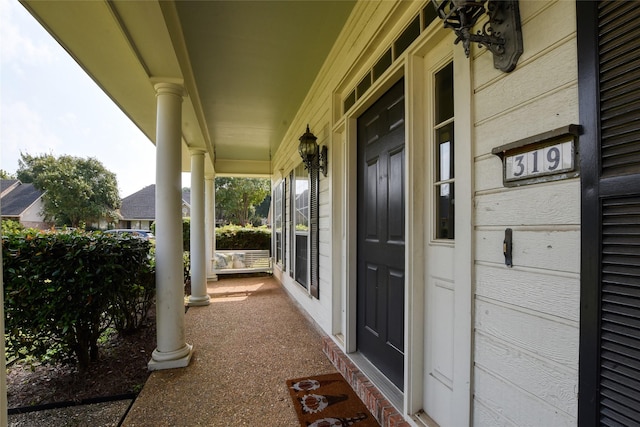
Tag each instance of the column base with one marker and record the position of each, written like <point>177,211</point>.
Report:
<point>174,359</point>
<point>212,278</point>
<point>198,301</point>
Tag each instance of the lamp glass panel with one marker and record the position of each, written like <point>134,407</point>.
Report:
<point>307,148</point>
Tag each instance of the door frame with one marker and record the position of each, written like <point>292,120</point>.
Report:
<point>351,191</point>
<point>411,67</point>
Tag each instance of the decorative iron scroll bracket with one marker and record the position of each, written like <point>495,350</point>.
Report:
<point>504,18</point>
<point>501,34</point>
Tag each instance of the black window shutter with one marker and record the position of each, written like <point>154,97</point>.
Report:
<point>620,312</point>
<point>314,232</point>
<point>285,224</point>
<point>609,85</point>
<point>619,50</point>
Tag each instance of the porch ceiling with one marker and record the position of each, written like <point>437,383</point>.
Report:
<point>246,65</point>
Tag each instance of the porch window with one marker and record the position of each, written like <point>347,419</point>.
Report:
<point>279,220</point>
<point>444,185</point>
<point>300,217</point>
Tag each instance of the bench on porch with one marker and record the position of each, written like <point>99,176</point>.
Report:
<point>242,261</point>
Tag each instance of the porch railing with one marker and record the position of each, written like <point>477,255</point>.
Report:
<point>242,261</point>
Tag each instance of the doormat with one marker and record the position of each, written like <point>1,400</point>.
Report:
<point>328,401</point>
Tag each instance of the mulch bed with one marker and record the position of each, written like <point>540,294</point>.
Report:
<point>121,369</point>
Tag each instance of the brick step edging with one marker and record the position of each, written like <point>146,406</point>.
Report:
<point>383,411</point>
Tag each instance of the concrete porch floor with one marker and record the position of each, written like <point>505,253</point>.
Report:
<point>248,342</point>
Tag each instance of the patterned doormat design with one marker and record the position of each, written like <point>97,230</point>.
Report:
<point>328,401</point>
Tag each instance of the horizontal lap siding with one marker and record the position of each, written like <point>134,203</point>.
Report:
<point>527,317</point>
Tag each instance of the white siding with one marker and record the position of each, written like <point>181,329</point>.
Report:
<point>527,317</point>
<point>32,214</point>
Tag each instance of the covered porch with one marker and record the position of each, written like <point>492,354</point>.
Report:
<point>217,87</point>
<point>248,341</point>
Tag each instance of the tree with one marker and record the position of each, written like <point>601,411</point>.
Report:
<point>5,175</point>
<point>237,198</point>
<point>76,190</point>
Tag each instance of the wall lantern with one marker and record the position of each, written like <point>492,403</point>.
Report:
<point>313,157</point>
<point>501,34</point>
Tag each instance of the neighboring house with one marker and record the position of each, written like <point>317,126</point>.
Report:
<point>466,293</point>
<point>22,203</point>
<point>138,210</point>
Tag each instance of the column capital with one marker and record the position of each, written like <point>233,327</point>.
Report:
<point>163,87</point>
<point>197,151</point>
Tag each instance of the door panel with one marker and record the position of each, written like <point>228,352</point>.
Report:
<point>396,305</point>
<point>380,324</point>
<point>396,196</point>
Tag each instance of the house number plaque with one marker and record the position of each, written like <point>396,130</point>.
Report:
<point>556,158</point>
<point>545,157</point>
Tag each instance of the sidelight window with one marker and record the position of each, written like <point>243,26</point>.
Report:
<point>279,221</point>
<point>444,185</point>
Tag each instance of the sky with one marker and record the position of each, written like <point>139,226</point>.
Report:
<point>49,105</point>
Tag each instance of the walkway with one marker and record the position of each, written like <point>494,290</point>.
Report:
<point>248,342</point>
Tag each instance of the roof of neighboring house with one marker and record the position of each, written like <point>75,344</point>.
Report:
<point>186,196</point>
<point>142,204</point>
<point>16,201</point>
<point>6,184</point>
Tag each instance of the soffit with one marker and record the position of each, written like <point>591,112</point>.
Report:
<point>253,63</point>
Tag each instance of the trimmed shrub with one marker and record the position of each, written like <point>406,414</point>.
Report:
<point>186,233</point>
<point>62,290</point>
<point>10,226</point>
<point>237,237</point>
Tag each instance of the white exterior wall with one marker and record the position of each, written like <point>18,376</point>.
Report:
<point>32,217</point>
<point>32,213</point>
<point>527,317</point>
<point>524,326</point>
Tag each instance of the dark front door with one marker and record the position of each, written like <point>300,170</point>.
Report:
<point>609,85</point>
<point>381,234</point>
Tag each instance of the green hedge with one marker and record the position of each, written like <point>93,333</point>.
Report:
<point>186,233</point>
<point>229,236</point>
<point>63,290</point>
<point>237,237</point>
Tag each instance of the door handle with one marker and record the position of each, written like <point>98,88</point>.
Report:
<point>507,246</point>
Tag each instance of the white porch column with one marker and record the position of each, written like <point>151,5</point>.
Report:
<point>199,294</point>
<point>210,225</point>
<point>172,351</point>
